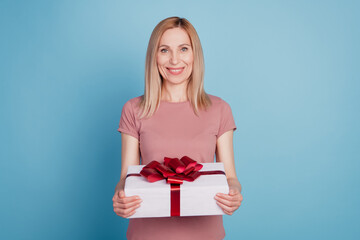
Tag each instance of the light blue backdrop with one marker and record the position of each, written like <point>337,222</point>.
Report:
<point>289,70</point>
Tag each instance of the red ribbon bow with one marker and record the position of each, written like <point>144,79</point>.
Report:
<point>175,171</point>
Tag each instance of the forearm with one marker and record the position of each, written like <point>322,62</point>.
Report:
<point>130,155</point>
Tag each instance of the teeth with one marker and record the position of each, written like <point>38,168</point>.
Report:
<point>175,70</point>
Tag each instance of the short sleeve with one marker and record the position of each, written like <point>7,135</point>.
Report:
<point>226,119</point>
<point>128,121</point>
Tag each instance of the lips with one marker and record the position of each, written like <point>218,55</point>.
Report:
<point>175,71</point>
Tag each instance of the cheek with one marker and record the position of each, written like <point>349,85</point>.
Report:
<point>161,60</point>
<point>190,63</point>
<point>189,59</point>
<point>160,65</point>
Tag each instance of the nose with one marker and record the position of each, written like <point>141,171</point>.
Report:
<point>174,59</point>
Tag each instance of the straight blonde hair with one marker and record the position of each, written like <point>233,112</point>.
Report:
<point>196,94</point>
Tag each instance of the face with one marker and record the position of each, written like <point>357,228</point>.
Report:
<point>175,56</point>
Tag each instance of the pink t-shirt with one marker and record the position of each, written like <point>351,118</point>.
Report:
<point>175,131</point>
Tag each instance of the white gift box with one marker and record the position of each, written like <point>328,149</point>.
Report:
<point>196,198</point>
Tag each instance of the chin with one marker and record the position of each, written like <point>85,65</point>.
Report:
<point>177,81</point>
<point>174,82</point>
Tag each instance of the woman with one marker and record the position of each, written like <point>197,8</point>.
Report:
<point>175,117</point>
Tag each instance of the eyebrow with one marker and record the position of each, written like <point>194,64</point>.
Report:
<point>184,44</point>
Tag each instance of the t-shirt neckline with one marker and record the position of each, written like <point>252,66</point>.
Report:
<point>163,101</point>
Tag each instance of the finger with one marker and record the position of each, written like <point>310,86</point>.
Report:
<point>226,208</point>
<point>121,194</point>
<point>241,198</point>
<point>233,191</point>
<point>130,214</point>
<point>115,197</point>
<point>228,213</point>
<point>124,212</point>
<point>128,199</point>
<point>127,205</point>
<point>226,202</point>
<point>227,197</point>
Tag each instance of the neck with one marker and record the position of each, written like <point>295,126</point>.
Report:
<point>174,92</point>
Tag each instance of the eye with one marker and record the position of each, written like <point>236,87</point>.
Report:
<point>164,50</point>
<point>184,49</point>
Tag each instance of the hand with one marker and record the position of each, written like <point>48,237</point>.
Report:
<point>125,206</point>
<point>229,203</point>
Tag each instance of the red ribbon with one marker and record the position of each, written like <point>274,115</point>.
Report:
<point>175,171</point>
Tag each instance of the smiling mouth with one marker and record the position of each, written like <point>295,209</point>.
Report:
<point>175,71</point>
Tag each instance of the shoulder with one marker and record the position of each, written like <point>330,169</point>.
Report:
<point>133,103</point>
<point>131,108</point>
<point>217,101</point>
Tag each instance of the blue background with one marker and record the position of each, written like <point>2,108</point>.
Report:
<point>288,69</point>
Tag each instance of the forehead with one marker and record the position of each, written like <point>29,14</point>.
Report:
<point>175,36</point>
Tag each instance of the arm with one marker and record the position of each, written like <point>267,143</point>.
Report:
<point>130,155</point>
<point>225,154</point>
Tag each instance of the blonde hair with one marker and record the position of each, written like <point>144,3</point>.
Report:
<point>197,96</point>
